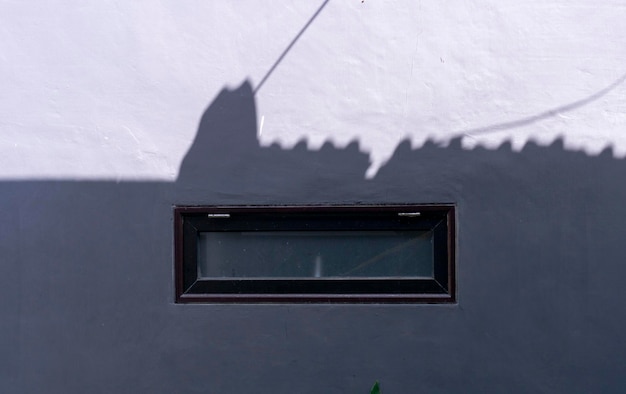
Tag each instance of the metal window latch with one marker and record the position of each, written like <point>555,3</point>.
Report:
<point>218,215</point>
<point>409,214</point>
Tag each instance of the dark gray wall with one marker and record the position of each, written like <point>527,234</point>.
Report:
<point>86,301</point>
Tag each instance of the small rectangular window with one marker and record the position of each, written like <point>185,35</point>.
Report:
<point>343,254</point>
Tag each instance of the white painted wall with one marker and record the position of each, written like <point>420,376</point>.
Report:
<point>115,89</point>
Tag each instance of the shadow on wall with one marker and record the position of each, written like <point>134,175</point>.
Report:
<point>227,159</point>
<point>87,291</point>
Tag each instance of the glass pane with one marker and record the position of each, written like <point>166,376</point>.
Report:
<point>313,254</point>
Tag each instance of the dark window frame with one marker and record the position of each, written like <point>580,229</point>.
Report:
<point>190,220</point>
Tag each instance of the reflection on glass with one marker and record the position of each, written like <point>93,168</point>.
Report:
<point>315,254</point>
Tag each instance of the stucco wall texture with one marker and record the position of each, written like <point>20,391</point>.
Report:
<point>113,112</point>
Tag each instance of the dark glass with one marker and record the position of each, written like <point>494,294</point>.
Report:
<point>316,254</point>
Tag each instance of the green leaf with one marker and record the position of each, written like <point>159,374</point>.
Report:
<point>375,388</point>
